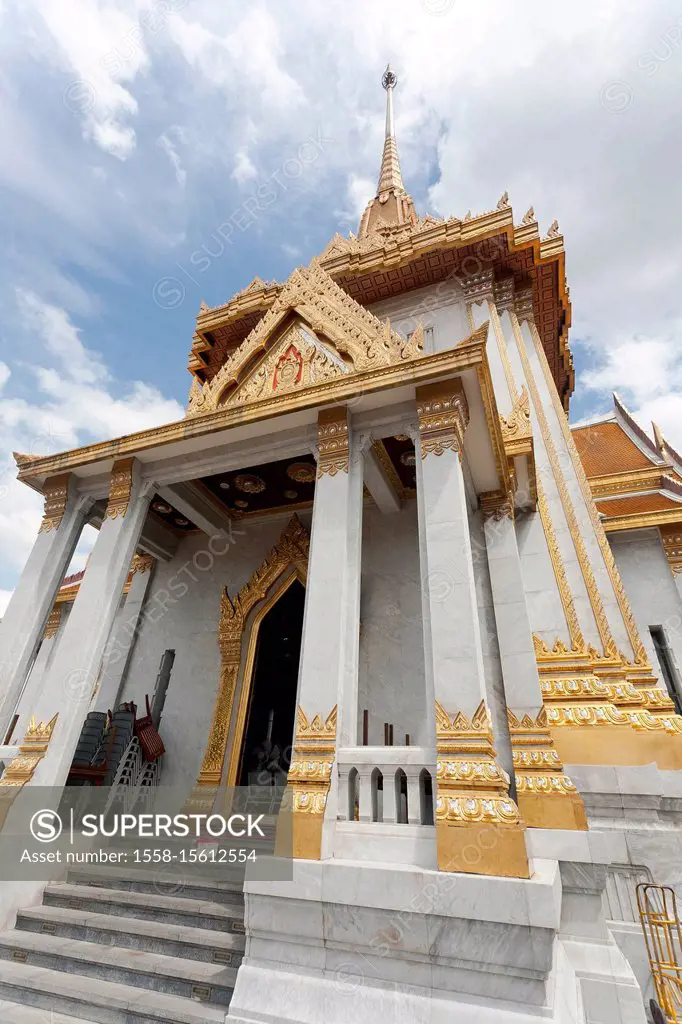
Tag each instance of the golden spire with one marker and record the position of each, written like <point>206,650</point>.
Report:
<point>392,205</point>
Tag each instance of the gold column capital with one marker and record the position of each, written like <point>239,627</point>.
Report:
<point>53,621</point>
<point>120,487</point>
<point>443,413</point>
<point>141,564</point>
<point>56,493</point>
<point>523,303</point>
<point>333,441</point>
<point>496,505</point>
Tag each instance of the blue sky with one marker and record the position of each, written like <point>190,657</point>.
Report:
<point>133,131</point>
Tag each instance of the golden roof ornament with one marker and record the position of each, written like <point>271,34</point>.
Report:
<point>529,216</point>
<point>503,201</point>
<point>553,229</point>
<point>391,206</point>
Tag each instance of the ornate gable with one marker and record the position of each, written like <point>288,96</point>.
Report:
<point>312,332</point>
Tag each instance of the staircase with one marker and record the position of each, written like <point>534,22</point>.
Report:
<point>110,948</point>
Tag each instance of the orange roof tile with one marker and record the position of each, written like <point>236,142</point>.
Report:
<point>637,503</point>
<point>605,448</point>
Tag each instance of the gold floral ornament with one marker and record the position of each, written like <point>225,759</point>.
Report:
<point>547,797</point>
<point>290,550</point>
<point>56,492</point>
<point>443,417</point>
<point>333,440</point>
<point>301,472</point>
<point>249,483</point>
<point>120,488</point>
<point>31,753</point>
<point>478,826</point>
<point>309,781</point>
<point>53,621</point>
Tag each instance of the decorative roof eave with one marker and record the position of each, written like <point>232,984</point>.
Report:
<point>395,247</point>
<point>642,520</point>
<point>257,297</point>
<point>628,482</point>
<point>469,354</point>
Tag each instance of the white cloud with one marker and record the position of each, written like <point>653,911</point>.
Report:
<point>244,169</point>
<point>73,402</point>
<point>169,142</point>
<point>102,46</point>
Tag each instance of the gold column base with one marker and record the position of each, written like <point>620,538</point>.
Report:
<point>482,849</point>
<point>299,827</point>
<point>546,796</point>
<point>478,826</point>
<point>299,835</point>
<point>601,744</point>
<point>547,810</point>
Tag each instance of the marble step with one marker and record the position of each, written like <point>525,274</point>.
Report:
<point>134,934</point>
<point>168,910</point>
<point>98,1001</point>
<point>230,893</point>
<point>13,1013</point>
<point>191,979</point>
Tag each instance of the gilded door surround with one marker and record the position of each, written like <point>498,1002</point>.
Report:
<point>291,550</point>
<point>251,631</point>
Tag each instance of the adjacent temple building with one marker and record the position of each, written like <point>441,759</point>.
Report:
<point>375,563</point>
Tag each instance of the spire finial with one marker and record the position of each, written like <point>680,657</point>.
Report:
<point>389,80</point>
<point>390,176</point>
<point>392,205</point>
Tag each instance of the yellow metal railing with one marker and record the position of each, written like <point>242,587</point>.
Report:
<point>657,906</point>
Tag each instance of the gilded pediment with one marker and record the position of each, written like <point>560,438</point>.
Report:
<point>314,331</point>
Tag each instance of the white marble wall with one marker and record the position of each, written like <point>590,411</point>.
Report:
<point>439,306</point>
<point>391,683</point>
<point>182,612</point>
<point>650,587</point>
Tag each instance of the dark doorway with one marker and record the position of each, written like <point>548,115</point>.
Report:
<point>268,736</point>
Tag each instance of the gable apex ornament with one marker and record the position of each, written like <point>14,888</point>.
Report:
<point>313,331</point>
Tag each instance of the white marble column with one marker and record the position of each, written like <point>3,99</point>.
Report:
<point>546,796</point>
<point>477,824</point>
<point>119,648</point>
<point>330,636</point>
<point>76,665</point>
<point>28,699</point>
<point>33,598</point>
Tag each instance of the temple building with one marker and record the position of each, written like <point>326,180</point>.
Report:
<point>375,563</point>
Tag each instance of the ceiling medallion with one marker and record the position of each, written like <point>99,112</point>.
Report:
<point>301,472</point>
<point>291,495</point>
<point>401,437</point>
<point>160,506</point>
<point>408,458</point>
<point>241,504</point>
<point>249,483</point>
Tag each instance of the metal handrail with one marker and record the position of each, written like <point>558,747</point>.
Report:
<point>657,905</point>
